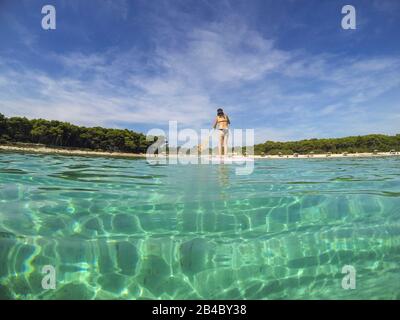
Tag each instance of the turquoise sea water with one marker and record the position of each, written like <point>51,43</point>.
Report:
<point>124,229</point>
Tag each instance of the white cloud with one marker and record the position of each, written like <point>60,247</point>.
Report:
<point>225,54</point>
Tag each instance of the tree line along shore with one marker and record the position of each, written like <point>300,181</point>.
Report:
<point>20,131</point>
<point>372,143</point>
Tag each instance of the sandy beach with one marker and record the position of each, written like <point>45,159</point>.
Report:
<point>46,150</point>
<point>333,155</point>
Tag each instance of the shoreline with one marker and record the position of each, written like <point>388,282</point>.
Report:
<point>47,150</point>
<point>334,155</point>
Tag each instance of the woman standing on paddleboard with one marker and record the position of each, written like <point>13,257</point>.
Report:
<point>223,122</point>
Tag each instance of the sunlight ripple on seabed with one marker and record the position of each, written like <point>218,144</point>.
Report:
<point>126,229</point>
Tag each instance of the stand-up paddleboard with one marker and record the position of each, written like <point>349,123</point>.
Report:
<point>228,159</point>
<point>205,160</point>
<point>219,159</point>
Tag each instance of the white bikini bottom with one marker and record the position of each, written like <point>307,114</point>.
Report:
<point>223,132</point>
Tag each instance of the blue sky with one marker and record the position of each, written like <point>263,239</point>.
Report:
<point>285,68</point>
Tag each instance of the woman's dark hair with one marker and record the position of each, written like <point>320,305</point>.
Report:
<point>220,112</point>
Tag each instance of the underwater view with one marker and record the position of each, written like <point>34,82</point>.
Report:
<point>125,229</point>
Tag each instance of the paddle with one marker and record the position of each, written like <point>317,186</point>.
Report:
<point>203,144</point>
